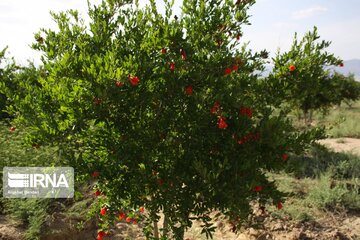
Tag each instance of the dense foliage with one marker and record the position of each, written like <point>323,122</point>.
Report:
<point>304,77</point>
<point>165,112</point>
<point>346,89</point>
<point>7,71</point>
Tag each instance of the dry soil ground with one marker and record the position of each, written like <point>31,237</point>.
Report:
<point>343,144</point>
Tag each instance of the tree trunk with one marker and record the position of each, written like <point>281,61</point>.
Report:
<point>305,117</point>
<point>156,230</point>
<point>310,117</point>
<point>182,234</point>
<point>165,227</point>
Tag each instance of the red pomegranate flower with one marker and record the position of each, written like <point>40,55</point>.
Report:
<point>215,108</point>
<point>134,80</point>
<point>122,216</point>
<point>119,84</point>
<point>285,157</point>
<point>183,54</point>
<point>341,65</point>
<point>222,123</point>
<point>227,71</point>
<point>128,219</point>
<point>172,66</point>
<point>292,68</point>
<point>258,188</point>
<point>235,67</point>
<point>238,37</point>
<point>35,145</point>
<point>97,101</point>
<point>103,211</point>
<point>279,205</point>
<point>142,209</point>
<point>97,193</point>
<point>163,51</point>
<point>249,137</point>
<point>160,182</point>
<point>100,235</point>
<point>189,90</point>
<point>246,111</point>
<point>95,174</point>
<point>241,141</point>
<point>134,221</point>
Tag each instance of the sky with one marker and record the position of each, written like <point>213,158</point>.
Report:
<point>273,24</point>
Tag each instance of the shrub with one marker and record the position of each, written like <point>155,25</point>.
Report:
<point>7,71</point>
<point>324,195</point>
<point>320,160</point>
<point>164,112</point>
<point>303,78</point>
<point>32,212</point>
<point>14,153</point>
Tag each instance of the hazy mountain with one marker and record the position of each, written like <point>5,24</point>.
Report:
<point>351,66</point>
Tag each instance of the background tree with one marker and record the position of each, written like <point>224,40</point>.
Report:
<point>165,112</point>
<point>7,72</point>
<point>346,89</point>
<point>302,75</point>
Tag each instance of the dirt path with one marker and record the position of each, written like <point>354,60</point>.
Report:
<point>10,230</point>
<point>343,144</point>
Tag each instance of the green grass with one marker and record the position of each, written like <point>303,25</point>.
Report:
<point>341,121</point>
<point>321,181</point>
<point>325,194</point>
<point>313,198</point>
<point>14,152</point>
<point>31,212</point>
<point>319,160</point>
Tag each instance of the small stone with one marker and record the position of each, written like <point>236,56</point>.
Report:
<point>302,236</point>
<point>285,227</point>
<point>242,237</point>
<point>220,225</point>
<point>260,219</point>
<point>340,236</point>
<point>298,225</point>
<point>264,236</point>
<point>277,227</point>
<point>294,235</point>
<point>253,232</point>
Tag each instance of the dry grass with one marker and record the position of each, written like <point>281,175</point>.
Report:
<point>342,121</point>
